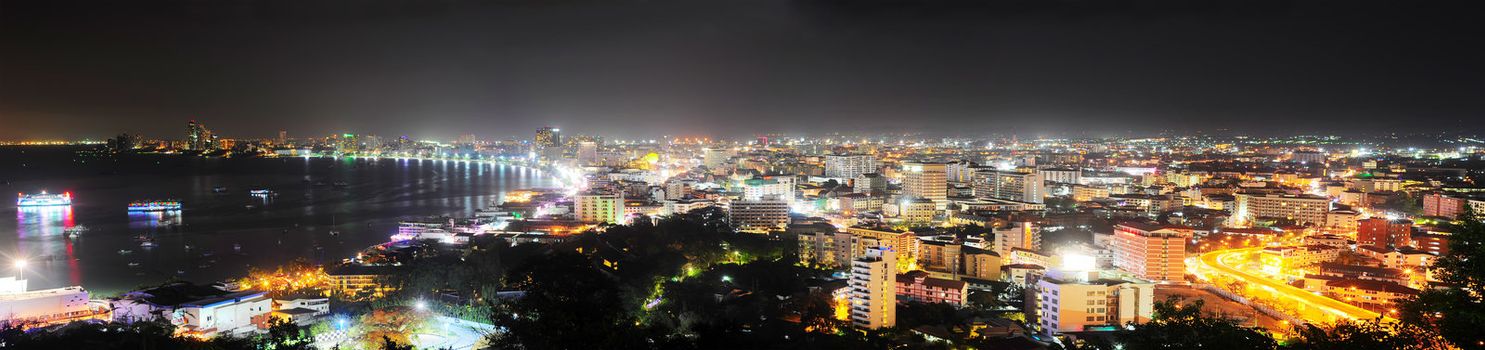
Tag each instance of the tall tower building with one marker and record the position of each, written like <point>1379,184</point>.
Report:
<point>198,137</point>
<point>283,137</point>
<point>874,289</point>
<point>548,137</point>
<point>926,180</point>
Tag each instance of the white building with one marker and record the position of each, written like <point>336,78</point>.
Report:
<point>714,158</point>
<point>682,206</point>
<point>849,166</point>
<point>42,306</point>
<point>1016,186</point>
<point>926,180</point>
<point>778,188</point>
<point>599,207</point>
<point>1017,235</point>
<point>1061,175</point>
<point>196,309</point>
<point>874,289</point>
<point>1303,209</point>
<point>1073,301</point>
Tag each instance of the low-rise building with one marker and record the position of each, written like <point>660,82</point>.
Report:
<point>1074,301</point>
<point>918,286</point>
<point>200,310</point>
<point>48,306</point>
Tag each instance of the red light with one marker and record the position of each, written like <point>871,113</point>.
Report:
<point>67,194</point>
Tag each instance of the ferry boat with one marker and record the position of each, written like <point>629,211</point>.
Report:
<point>148,206</point>
<point>262,192</point>
<point>43,199</point>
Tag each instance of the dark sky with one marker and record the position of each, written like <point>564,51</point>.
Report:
<point>439,68</point>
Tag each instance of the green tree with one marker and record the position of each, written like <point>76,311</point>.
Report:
<point>568,304</point>
<point>1458,311</point>
<point>1178,326</point>
<point>284,334</point>
<point>1365,335</point>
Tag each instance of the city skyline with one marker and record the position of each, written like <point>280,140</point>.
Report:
<point>731,69</point>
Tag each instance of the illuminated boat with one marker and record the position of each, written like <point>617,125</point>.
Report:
<point>148,206</point>
<point>262,192</point>
<point>43,199</point>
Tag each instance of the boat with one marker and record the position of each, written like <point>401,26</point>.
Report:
<point>154,206</point>
<point>219,190</point>
<point>74,231</point>
<point>262,192</point>
<point>43,199</point>
<point>147,244</point>
<point>133,264</point>
<point>342,184</point>
<point>125,251</point>
<point>236,247</point>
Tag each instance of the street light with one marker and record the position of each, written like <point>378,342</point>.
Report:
<point>19,264</point>
<point>420,305</point>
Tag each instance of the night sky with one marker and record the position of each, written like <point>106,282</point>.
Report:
<point>431,68</point>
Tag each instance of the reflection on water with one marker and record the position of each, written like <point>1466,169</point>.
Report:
<point>152,221</point>
<point>37,231</point>
<point>43,221</point>
<point>229,230</point>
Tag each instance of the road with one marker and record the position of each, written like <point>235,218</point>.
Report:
<point>1309,303</point>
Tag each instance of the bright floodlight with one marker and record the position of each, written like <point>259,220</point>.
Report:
<point>420,305</point>
<point>1078,262</point>
<point>20,263</point>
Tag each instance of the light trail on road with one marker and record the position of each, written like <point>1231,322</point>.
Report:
<point>1218,261</point>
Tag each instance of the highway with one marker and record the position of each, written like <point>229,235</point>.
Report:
<point>1309,302</point>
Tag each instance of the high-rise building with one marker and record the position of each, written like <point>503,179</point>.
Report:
<point>917,210</point>
<point>1302,209</point>
<point>959,171</point>
<point>548,137</point>
<point>1383,233</point>
<point>1151,251</point>
<point>283,137</point>
<point>1061,175</point>
<point>548,143</point>
<point>587,153</point>
<point>1009,185</point>
<point>778,188</point>
<point>904,244</point>
<point>1074,301</point>
<point>715,157</point>
<point>599,207</point>
<point>198,137</point>
<point>849,166</point>
<point>869,183</point>
<point>759,216</point>
<point>824,246</point>
<point>926,180</point>
<point>873,286</point>
<point>1018,235</point>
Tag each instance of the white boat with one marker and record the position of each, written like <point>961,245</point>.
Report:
<point>43,199</point>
